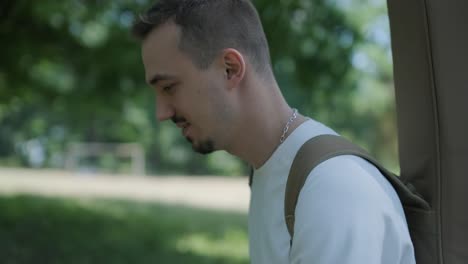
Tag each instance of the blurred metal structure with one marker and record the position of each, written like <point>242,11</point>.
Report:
<point>80,150</point>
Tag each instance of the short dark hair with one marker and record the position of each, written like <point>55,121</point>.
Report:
<point>208,26</point>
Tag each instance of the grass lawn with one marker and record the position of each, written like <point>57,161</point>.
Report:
<point>56,230</point>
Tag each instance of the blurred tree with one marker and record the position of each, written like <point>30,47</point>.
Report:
<point>71,72</point>
<point>374,99</point>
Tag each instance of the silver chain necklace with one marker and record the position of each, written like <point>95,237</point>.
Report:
<point>286,127</point>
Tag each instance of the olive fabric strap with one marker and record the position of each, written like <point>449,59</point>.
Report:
<point>321,148</point>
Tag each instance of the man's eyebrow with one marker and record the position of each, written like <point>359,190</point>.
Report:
<point>160,77</point>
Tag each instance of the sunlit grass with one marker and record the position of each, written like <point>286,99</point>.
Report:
<point>231,245</point>
<point>46,230</point>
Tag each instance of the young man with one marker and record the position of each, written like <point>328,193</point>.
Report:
<point>209,64</point>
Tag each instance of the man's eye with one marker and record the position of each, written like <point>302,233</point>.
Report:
<point>167,88</point>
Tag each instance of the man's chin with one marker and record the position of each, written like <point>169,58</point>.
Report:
<point>203,147</point>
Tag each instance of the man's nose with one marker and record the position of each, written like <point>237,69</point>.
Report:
<point>164,110</point>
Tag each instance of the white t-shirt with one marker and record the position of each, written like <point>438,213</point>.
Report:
<point>347,212</point>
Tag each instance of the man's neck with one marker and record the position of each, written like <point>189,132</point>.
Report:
<point>263,130</point>
<point>264,157</point>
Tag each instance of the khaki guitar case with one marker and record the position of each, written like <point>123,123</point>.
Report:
<point>430,57</point>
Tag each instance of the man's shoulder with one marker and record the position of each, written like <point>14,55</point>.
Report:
<point>350,181</point>
<point>349,210</point>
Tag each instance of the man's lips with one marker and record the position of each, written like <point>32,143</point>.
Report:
<point>185,130</point>
<point>184,126</point>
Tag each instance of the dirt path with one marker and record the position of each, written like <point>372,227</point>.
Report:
<point>203,192</point>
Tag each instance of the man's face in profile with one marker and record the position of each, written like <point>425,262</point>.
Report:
<point>189,96</point>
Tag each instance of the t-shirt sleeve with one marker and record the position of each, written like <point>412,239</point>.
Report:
<point>347,215</point>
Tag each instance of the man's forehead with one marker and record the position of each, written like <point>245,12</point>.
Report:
<point>159,48</point>
<point>166,34</point>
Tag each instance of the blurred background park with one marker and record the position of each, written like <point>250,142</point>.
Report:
<point>73,104</point>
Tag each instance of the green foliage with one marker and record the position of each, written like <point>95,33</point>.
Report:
<point>71,72</point>
<point>103,231</point>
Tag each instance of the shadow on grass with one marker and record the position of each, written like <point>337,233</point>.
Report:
<point>55,230</point>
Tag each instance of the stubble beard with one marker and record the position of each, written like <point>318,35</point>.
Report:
<point>204,147</point>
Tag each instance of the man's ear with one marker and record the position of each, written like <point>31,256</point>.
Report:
<point>234,66</point>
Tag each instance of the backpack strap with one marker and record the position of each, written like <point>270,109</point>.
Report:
<point>321,148</point>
